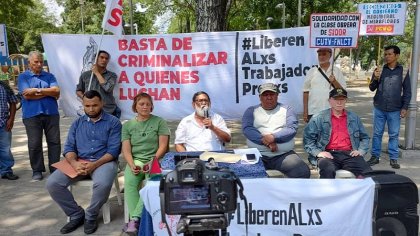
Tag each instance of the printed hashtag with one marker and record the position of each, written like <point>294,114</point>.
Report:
<point>246,43</point>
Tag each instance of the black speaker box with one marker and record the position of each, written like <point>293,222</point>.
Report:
<point>395,206</point>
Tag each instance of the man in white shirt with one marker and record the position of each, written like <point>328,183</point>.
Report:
<point>316,87</point>
<point>203,130</point>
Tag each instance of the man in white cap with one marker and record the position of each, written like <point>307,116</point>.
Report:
<point>271,128</point>
<point>319,81</point>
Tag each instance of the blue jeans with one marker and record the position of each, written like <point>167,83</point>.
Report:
<point>6,157</point>
<point>103,178</point>
<point>379,119</point>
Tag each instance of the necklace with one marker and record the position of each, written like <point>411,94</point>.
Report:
<point>142,125</point>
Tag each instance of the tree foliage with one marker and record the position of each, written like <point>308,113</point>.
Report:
<point>25,20</point>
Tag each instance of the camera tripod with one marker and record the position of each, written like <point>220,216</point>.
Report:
<point>203,225</point>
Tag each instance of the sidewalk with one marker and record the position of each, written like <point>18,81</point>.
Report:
<point>27,208</point>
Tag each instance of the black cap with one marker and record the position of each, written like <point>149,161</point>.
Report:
<point>338,92</point>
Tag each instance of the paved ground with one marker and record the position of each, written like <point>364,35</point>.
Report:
<point>27,209</point>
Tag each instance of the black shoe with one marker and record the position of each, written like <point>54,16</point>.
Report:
<point>10,176</point>
<point>90,226</point>
<point>394,164</point>
<point>37,176</point>
<point>373,161</point>
<point>72,225</point>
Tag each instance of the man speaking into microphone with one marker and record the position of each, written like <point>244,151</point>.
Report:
<point>203,130</point>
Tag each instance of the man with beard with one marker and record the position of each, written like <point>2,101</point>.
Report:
<point>203,130</point>
<point>102,81</point>
<point>271,128</point>
<point>92,149</point>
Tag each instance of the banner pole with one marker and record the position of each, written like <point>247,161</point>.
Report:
<point>96,58</point>
<point>332,66</point>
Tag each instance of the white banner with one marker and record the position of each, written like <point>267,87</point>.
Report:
<point>229,66</point>
<point>382,18</point>
<point>335,30</point>
<point>4,51</point>
<point>288,207</point>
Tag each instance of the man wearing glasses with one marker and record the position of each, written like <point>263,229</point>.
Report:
<point>203,130</point>
<point>271,128</point>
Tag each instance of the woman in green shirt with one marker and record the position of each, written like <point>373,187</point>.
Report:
<point>144,138</point>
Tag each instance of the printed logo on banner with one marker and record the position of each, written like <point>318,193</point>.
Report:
<point>380,29</point>
<point>89,56</point>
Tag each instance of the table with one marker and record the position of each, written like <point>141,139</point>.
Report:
<point>327,207</point>
<point>241,170</point>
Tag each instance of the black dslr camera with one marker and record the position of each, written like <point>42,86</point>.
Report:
<point>193,189</point>
<point>202,194</point>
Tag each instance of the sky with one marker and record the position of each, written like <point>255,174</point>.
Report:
<point>162,22</point>
<point>53,8</point>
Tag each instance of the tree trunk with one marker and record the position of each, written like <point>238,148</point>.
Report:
<point>211,15</point>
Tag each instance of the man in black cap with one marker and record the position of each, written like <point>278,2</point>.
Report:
<point>337,138</point>
<point>319,81</point>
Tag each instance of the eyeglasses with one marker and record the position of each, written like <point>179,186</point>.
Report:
<point>201,101</point>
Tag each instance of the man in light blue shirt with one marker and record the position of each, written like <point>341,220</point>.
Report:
<point>92,148</point>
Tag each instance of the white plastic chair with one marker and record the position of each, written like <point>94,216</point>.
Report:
<point>106,207</point>
<point>344,174</point>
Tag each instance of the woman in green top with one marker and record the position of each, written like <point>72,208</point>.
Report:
<point>144,137</point>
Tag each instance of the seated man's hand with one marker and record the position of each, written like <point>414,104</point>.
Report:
<point>267,139</point>
<point>355,153</point>
<point>90,167</point>
<point>273,147</point>
<point>80,168</point>
<point>325,154</point>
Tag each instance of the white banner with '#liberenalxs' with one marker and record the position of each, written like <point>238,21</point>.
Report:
<point>289,207</point>
<point>229,66</point>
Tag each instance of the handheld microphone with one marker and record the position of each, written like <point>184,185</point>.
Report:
<point>206,113</point>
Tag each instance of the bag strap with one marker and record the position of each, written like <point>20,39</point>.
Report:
<point>325,76</point>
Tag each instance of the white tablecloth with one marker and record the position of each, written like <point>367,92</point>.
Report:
<point>290,207</point>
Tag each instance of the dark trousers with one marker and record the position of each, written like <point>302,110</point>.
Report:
<point>342,160</point>
<point>289,164</point>
<point>35,127</point>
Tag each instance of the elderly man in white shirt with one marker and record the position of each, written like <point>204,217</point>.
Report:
<point>203,130</point>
